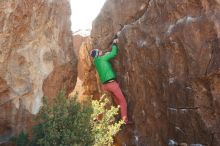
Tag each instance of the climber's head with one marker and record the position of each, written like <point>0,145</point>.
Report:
<point>95,53</point>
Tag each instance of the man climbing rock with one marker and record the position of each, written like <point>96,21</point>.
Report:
<point>108,77</point>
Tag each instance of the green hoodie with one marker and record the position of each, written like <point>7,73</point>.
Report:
<point>103,65</point>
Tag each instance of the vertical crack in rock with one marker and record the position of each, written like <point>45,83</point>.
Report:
<point>140,16</point>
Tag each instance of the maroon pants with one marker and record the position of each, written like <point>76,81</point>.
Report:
<point>119,98</point>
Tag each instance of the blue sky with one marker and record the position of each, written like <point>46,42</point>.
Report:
<point>84,12</point>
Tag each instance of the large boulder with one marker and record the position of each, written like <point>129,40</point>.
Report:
<point>168,68</point>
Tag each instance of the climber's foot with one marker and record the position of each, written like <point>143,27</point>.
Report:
<point>129,123</point>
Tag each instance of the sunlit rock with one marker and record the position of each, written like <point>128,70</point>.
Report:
<point>36,58</point>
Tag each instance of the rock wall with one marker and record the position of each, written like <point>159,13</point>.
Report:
<point>87,84</point>
<point>77,42</point>
<point>36,58</point>
<point>168,68</point>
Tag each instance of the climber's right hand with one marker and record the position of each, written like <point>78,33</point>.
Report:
<point>115,41</point>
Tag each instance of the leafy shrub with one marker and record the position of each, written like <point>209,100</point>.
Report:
<point>21,140</point>
<point>66,122</point>
<point>105,127</point>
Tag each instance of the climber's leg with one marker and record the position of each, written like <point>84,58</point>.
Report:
<point>114,88</point>
<point>107,87</point>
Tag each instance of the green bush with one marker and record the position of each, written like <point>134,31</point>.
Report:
<point>66,122</point>
<point>21,140</point>
<point>105,127</point>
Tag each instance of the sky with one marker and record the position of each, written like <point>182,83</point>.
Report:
<point>84,12</point>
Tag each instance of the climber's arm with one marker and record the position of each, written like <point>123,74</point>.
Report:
<point>113,52</point>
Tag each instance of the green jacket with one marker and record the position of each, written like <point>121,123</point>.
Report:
<point>103,65</point>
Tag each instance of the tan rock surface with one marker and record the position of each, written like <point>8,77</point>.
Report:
<point>36,55</point>
<point>87,84</point>
<point>77,42</point>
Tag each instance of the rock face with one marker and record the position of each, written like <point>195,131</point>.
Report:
<point>36,58</point>
<point>168,68</point>
<point>77,42</point>
<point>87,82</point>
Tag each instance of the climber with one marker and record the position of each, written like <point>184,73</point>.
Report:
<point>108,77</point>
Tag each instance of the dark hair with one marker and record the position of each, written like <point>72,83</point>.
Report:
<point>94,52</point>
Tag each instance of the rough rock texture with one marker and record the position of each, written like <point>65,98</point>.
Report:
<point>168,68</point>
<point>87,82</point>
<point>36,58</point>
<point>77,42</point>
